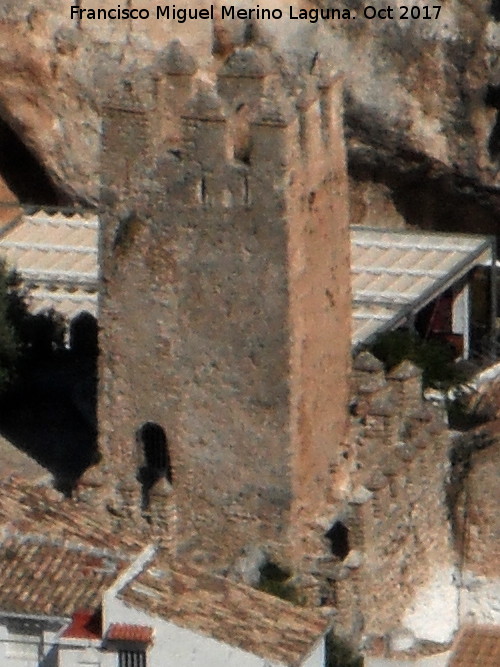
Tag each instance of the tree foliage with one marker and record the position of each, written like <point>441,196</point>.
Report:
<point>10,346</point>
<point>340,653</point>
<point>25,338</point>
<point>435,357</point>
<point>278,582</point>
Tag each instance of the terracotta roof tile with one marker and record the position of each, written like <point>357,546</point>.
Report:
<point>57,556</point>
<point>477,646</point>
<point>40,576</point>
<point>233,613</point>
<point>28,509</point>
<point>129,633</point>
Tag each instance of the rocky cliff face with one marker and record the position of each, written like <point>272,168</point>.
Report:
<point>422,96</point>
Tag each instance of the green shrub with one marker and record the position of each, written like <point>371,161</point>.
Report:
<point>434,357</point>
<point>43,334</point>
<point>10,346</point>
<point>24,338</point>
<point>276,581</point>
<point>340,653</point>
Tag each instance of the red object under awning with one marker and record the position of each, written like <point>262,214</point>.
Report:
<point>84,625</point>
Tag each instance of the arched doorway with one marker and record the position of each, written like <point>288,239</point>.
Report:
<point>83,335</point>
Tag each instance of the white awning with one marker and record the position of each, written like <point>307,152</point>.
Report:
<point>396,273</point>
<point>55,255</point>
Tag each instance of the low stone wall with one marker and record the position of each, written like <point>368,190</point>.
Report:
<point>394,591</point>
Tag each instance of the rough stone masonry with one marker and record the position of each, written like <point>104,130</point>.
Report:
<point>225,312</point>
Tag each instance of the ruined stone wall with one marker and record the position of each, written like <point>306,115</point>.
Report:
<point>474,496</point>
<point>225,261</point>
<point>482,547</point>
<point>395,587</point>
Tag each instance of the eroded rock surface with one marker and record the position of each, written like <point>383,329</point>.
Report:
<point>422,97</point>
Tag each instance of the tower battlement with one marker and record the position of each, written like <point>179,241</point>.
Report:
<point>244,133</point>
<point>225,315</point>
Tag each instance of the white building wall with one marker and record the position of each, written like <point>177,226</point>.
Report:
<point>178,647</point>
<point>18,649</point>
<point>440,660</point>
<point>317,656</point>
<point>3,645</point>
<point>433,614</point>
<point>86,654</point>
<point>461,316</point>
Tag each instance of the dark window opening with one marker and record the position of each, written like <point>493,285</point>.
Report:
<point>131,658</point>
<point>492,97</point>
<point>272,572</point>
<point>495,10</point>
<point>241,134</point>
<point>338,536</point>
<point>203,190</point>
<point>154,442</point>
<point>246,191</point>
<point>23,173</point>
<point>277,581</point>
<point>494,140</point>
<point>83,334</point>
<point>311,199</point>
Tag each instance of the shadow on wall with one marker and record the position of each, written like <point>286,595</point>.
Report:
<point>446,202</point>
<point>495,10</point>
<point>50,412</point>
<point>23,173</point>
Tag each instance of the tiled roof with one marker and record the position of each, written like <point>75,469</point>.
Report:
<point>397,272</point>
<point>233,613</point>
<point>57,556</point>
<point>477,646</point>
<point>26,509</point>
<point>129,633</point>
<point>39,576</point>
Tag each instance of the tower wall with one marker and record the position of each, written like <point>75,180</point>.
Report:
<point>320,302</point>
<point>225,312</point>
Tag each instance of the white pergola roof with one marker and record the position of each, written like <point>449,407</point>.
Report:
<point>396,273</point>
<point>56,257</point>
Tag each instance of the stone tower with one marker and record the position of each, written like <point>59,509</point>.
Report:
<point>225,307</point>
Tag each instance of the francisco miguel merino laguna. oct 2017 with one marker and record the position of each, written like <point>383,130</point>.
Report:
<point>227,12</point>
